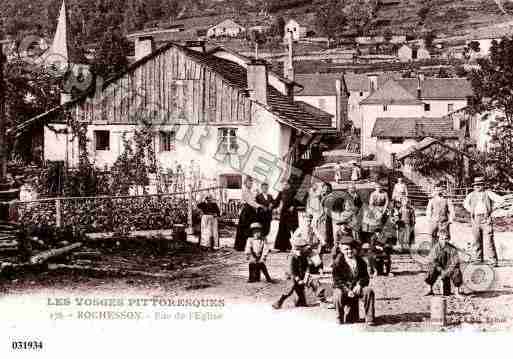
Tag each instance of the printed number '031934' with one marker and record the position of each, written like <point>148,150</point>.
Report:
<point>27,345</point>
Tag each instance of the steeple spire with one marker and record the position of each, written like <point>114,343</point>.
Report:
<point>59,48</point>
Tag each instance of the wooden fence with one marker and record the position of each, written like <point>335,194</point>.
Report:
<point>122,213</point>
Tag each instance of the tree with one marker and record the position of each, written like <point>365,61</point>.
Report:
<point>429,37</point>
<point>387,35</point>
<point>492,86</point>
<point>474,46</point>
<point>278,27</point>
<point>331,19</point>
<point>111,54</point>
<point>359,14</point>
<point>423,13</point>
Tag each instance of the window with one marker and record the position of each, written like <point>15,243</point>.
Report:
<point>231,181</point>
<point>450,107</point>
<point>427,107</point>
<point>385,107</point>
<point>361,93</point>
<point>166,141</point>
<point>227,140</point>
<point>397,140</point>
<point>322,103</point>
<point>102,140</point>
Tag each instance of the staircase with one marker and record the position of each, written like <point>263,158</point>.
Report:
<point>417,196</point>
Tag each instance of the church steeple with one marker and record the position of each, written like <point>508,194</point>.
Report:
<point>59,48</point>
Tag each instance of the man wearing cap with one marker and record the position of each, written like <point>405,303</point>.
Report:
<point>256,252</point>
<point>444,263</point>
<point>300,268</point>
<point>439,212</point>
<point>351,282</point>
<point>480,204</point>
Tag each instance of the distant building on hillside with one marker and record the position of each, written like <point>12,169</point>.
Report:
<point>327,92</point>
<point>295,29</point>
<point>226,28</point>
<point>410,52</point>
<point>408,99</point>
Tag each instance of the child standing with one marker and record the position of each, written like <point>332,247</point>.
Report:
<point>314,242</point>
<point>256,253</point>
<point>406,224</point>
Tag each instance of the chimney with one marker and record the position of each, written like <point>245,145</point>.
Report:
<point>289,63</point>
<point>420,79</point>
<point>257,80</point>
<point>373,82</point>
<point>338,88</point>
<point>143,47</point>
<point>198,46</point>
<point>456,126</point>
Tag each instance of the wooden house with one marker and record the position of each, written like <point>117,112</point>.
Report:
<point>228,113</point>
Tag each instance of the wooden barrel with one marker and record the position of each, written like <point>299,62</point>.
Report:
<point>439,311</point>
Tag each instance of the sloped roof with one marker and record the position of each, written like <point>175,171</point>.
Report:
<point>317,84</point>
<point>438,88</point>
<point>361,83</point>
<point>313,110</point>
<point>425,143</point>
<point>413,127</point>
<point>287,111</point>
<point>391,93</point>
<point>227,23</point>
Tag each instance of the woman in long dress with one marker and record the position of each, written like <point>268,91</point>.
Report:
<point>248,215</point>
<point>289,221</point>
<point>323,223</point>
<point>265,212</point>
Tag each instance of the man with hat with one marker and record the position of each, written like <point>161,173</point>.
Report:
<point>256,252</point>
<point>351,282</point>
<point>356,173</point>
<point>480,204</point>
<point>299,269</point>
<point>444,263</point>
<point>439,212</point>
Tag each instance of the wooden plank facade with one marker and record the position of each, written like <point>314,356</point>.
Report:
<point>179,89</point>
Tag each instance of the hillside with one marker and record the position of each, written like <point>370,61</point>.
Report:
<point>89,19</point>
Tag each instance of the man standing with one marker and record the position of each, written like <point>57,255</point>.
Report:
<point>400,191</point>
<point>440,213</point>
<point>351,282</point>
<point>480,204</point>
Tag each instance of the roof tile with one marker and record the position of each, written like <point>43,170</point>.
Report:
<point>415,127</point>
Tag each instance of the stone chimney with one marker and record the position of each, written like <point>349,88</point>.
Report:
<point>420,79</point>
<point>373,82</point>
<point>257,80</point>
<point>289,63</point>
<point>143,47</point>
